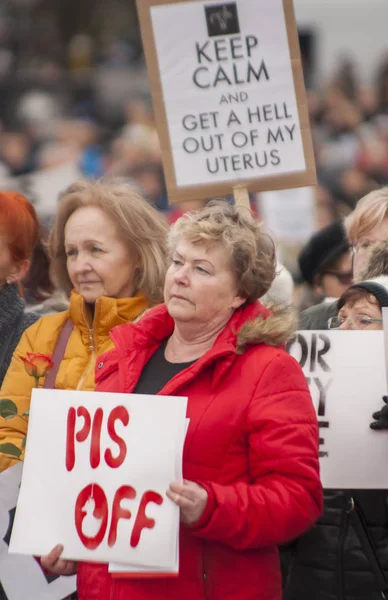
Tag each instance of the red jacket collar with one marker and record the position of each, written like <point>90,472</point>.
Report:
<point>156,325</point>
<point>141,339</point>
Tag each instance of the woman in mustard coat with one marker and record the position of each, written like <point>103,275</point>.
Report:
<point>108,251</point>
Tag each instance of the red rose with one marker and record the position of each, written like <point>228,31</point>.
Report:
<point>37,365</point>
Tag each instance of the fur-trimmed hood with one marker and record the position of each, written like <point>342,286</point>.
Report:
<point>274,328</point>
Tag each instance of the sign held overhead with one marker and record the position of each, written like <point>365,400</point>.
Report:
<point>229,98</point>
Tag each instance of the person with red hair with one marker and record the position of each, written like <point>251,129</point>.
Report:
<point>19,232</point>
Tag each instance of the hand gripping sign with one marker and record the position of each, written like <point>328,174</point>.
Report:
<point>96,472</point>
<point>346,375</point>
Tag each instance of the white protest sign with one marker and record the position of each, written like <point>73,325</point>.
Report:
<point>21,576</point>
<point>42,188</point>
<point>121,570</point>
<point>346,375</point>
<point>289,214</point>
<point>96,471</point>
<point>228,94</point>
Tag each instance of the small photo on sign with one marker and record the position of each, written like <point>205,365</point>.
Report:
<point>222,19</point>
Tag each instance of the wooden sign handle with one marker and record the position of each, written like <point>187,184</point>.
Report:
<point>241,196</point>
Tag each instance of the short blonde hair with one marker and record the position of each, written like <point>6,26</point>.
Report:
<point>252,252</point>
<point>140,226</point>
<point>369,213</point>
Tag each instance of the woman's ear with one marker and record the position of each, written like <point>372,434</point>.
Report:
<point>237,302</point>
<point>19,271</point>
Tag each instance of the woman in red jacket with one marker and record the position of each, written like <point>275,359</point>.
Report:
<point>250,459</point>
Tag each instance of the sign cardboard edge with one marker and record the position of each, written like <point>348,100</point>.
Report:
<point>176,194</point>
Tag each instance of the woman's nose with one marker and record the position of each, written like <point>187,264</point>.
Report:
<point>345,325</point>
<point>182,275</point>
<point>82,263</point>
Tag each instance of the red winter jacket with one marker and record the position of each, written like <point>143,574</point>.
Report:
<point>252,443</point>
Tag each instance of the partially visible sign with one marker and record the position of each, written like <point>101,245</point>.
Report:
<point>21,576</point>
<point>96,478</point>
<point>228,95</point>
<point>290,216</point>
<point>346,375</point>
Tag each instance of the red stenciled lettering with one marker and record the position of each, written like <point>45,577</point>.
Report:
<point>71,436</point>
<point>70,445</point>
<point>83,433</point>
<point>96,439</point>
<point>119,413</point>
<point>118,512</point>
<point>91,516</point>
<point>142,521</point>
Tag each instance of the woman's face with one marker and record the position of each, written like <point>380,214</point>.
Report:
<point>200,286</point>
<point>98,262</point>
<point>357,316</point>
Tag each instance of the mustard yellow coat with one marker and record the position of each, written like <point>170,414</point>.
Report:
<point>87,341</point>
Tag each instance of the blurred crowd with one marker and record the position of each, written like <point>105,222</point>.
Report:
<point>85,100</point>
<point>349,121</point>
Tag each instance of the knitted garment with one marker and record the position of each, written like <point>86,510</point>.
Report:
<point>13,322</point>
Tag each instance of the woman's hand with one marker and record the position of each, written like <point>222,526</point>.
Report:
<point>191,499</point>
<point>52,562</point>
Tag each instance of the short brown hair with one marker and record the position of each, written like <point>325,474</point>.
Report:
<point>369,213</point>
<point>353,295</point>
<point>252,252</point>
<point>140,226</point>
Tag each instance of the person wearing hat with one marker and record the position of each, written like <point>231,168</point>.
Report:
<point>325,265</point>
<point>345,555</point>
<point>360,305</point>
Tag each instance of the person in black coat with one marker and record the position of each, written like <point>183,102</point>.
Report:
<point>345,556</point>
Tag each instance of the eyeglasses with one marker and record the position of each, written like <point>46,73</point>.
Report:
<point>344,278</point>
<point>355,322</point>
